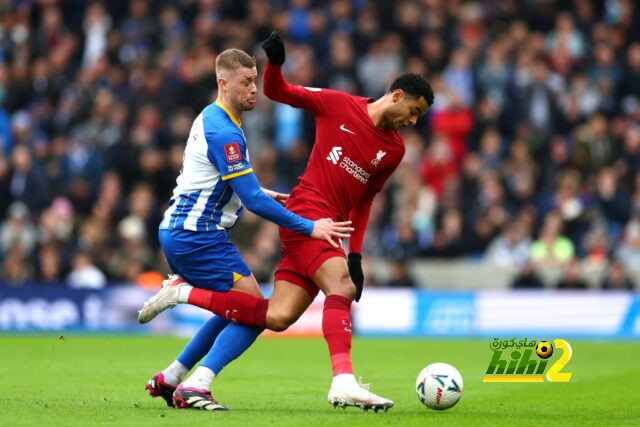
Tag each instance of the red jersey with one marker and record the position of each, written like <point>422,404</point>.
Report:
<point>351,158</point>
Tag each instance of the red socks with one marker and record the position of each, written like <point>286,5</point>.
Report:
<point>237,306</point>
<point>336,327</point>
<point>246,309</point>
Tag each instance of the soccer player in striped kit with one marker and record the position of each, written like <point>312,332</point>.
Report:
<point>215,182</point>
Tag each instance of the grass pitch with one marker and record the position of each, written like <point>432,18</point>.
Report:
<point>99,380</point>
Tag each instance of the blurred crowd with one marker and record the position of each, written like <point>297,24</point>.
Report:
<point>529,158</point>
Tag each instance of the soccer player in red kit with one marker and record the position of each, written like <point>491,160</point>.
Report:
<point>357,148</point>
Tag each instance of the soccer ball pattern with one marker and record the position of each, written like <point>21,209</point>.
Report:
<point>544,349</point>
<point>439,386</point>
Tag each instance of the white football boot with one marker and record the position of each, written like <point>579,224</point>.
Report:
<point>167,297</point>
<point>345,391</point>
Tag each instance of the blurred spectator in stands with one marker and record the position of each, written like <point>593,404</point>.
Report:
<point>341,75</point>
<point>630,158</point>
<point>628,250</point>
<point>594,144</point>
<point>93,239</point>
<point>434,51</point>
<point>261,257</point>
<point>84,274</point>
<point>491,149</point>
<point>57,221</point>
<point>18,234</point>
<point>630,81</point>
<point>597,245</point>
<point>401,240</point>
<point>450,239</point>
<point>617,278</point>
<point>581,100</point>
<point>16,270</point>
<point>493,74</point>
<point>143,204</point>
<point>419,202</point>
<point>132,255</point>
<point>511,248</point>
<point>26,181</point>
<point>565,44</point>
<point>50,263</point>
<point>540,105</point>
<point>439,164</point>
<point>451,118</point>
<point>458,77</point>
<point>558,160</point>
<point>552,248</point>
<point>379,66</point>
<point>570,203</point>
<point>52,31</point>
<point>4,186</point>
<point>96,25</point>
<point>612,199</point>
<point>572,276</point>
<point>527,278</point>
<point>400,275</point>
<point>288,122</point>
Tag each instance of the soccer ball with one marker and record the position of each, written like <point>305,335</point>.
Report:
<point>439,386</point>
<point>544,349</point>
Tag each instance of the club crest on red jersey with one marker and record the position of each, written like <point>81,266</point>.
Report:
<point>232,152</point>
<point>379,156</point>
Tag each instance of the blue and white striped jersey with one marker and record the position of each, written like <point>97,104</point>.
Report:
<point>215,152</point>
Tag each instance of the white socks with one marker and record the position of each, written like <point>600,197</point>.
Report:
<point>183,293</point>
<point>344,380</point>
<point>201,378</point>
<point>174,373</point>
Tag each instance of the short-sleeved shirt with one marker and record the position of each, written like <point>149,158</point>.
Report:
<point>216,151</point>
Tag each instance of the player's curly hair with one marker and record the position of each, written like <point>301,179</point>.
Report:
<point>414,85</point>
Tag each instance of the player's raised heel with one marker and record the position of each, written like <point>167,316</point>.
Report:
<point>186,397</point>
<point>157,387</point>
<point>167,297</point>
<point>355,394</point>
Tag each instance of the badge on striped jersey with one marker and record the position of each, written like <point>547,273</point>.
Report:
<point>232,152</point>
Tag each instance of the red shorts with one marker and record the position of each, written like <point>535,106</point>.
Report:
<point>301,258</point>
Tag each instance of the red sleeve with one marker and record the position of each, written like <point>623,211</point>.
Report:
<point>359,215</point>
<point>315,100</point>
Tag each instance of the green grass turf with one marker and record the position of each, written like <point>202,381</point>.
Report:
<point>99,380</point>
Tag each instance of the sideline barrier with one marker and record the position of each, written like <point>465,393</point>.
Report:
<point>391,312</point>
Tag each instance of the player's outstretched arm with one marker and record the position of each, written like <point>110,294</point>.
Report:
<point>248,189</point>
<point>316,101</point>
<point>275,86</point>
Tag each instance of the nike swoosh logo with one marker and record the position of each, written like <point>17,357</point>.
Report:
<point>346,130</point>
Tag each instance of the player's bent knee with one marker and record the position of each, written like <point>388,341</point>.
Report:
<point>279,322</point>
<point>344,288</point>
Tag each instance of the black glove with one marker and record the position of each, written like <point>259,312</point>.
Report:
<point>274,49</point>
<point>354,261</point>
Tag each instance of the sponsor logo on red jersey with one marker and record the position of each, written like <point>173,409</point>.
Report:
<point>334,155</point>
<point>346,163</point>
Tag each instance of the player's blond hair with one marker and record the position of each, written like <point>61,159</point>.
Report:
<point>232,59</point>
